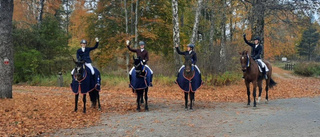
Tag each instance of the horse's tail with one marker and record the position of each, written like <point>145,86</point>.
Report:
<point>272,83</point>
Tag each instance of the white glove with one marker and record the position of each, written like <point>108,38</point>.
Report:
<point>127,42</point>
<point>143,60</point>
<point>97,40</point>
<point>192,64</point>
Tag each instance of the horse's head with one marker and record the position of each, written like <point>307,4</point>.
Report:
<point>138,64</point>
<point>188,63</point>
<point>244,60</point>
<point>79,69</point>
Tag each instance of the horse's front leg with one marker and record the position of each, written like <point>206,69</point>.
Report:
<point>186,100</point>
<point>84,102</point>
<point>191,99</point>
<point>146,99</point>
<point>138,99</point>
<point>248,92</point>
<point>76,102</point>
<point>254,93</point>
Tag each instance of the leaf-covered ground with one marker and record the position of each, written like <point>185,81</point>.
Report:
<point>37,110</point>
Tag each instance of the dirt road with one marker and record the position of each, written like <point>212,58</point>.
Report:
<point>283,117</point>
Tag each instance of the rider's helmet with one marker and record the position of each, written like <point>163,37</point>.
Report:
<point>257,38</point>
<point>191,46</point>
<point>83,42</point>
<point>141,43</point>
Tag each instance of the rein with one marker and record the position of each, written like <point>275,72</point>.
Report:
<point>248,62</point>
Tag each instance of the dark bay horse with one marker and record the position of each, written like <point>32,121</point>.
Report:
<point>253,75</point>
<point>83,82</point>
<point>189,80</point>
<point>140,77</point>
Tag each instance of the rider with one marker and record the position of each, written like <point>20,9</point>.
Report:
<point>83,54</point>
<point>191,52</point>
<point>143,54</point>
<point>256,54</point>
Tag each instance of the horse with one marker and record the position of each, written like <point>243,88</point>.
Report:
<point>189,80</point>
<point>83,82</point>
<point>140,78</point>
<point>253,75</point>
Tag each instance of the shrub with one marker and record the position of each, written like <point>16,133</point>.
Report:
<point>307,69</point>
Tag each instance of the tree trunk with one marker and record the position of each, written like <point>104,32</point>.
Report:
<point>41,5</point>
<point>132,20</point>
<point>196,23</point>
<point>176,33</point>
<point>6,48</point>
<point>136,25</point>
<point>258,10</point>
<point>211,40</point>
<point>127,32</point>
<point>223,40</point>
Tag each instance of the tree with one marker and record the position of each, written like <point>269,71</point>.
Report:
<point>176,32</point>
<point>6,48</point>
<point>310,38</point>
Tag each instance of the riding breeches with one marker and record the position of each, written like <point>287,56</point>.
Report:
<point>194,66</point>
<point>144,65</point>
<point>263,65</point>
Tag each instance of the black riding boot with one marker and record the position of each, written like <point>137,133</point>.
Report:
<point>264,73</point>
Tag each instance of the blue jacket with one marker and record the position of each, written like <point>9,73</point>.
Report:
<point>255,51</point>
<point>85,56</point>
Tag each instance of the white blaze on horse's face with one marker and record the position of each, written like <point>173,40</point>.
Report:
<point>242,58</point>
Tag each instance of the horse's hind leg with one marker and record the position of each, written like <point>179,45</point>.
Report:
<point>84,102</point>
<point>76,102</point>
<point>146,99</point>
<point>98,98</point>
<point>267,88</point>
<point>260,90</point>
<point>186,100</point>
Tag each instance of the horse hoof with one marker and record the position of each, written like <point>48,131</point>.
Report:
<point>259,98</point>
<point>138,109</point>
<point>267,102</point>
<point>191,109</point>
<point>147,109</point>
<point>186,109</point>
<point>99,109</point>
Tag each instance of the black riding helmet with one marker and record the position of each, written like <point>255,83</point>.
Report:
<point>257,38</point>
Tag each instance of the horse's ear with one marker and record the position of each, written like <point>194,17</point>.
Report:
<point>74,61</point>
<point>240,53</point>
<point>246,52</point>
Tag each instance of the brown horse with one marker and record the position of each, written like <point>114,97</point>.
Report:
<point>253,75</point>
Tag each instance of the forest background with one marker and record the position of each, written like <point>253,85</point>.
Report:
<point>47,33</point>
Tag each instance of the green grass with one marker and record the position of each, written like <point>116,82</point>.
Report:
<point>123,81</point>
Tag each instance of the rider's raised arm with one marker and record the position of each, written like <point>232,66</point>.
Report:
<point>179,52</point>
<point>133,50</point>
<point>245,40</point>
<point>95,46</point>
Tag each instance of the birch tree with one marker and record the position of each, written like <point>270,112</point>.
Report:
<point>176,33</point>
<point>196,23</point>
